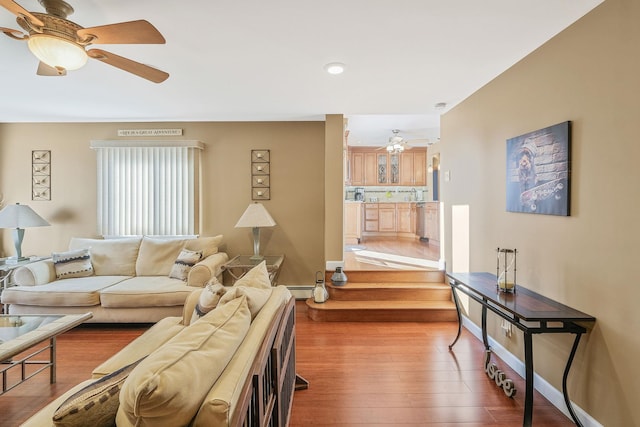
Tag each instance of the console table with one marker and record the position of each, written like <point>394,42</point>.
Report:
<point>528,311</point>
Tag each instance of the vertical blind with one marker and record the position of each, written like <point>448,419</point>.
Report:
<point>147,189</point>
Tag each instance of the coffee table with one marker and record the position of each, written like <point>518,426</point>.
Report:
<point>19,333</point>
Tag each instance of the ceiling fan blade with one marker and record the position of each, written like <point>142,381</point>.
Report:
<point>14,34</point>
<point>141,70</point>
<point>132,32</point>
<point>18,10</point>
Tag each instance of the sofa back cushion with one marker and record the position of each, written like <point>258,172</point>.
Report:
<point>110,257</point>
<point>208,245</point>
<point>167,388</point>
<point>157,256</point>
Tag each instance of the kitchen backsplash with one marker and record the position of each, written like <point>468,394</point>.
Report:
<point>389,194</point>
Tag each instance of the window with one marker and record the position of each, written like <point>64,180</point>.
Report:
<point>148,188</point>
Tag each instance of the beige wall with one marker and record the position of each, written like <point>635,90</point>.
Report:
<point>297,185</point>
<point>588,74</point>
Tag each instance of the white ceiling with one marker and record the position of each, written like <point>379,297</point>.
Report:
<point>263,60</point>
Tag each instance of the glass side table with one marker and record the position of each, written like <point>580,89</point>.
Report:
<point>241,264</point>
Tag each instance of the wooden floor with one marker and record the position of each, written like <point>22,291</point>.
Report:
<point>360,374</point>
<point>376,248</point>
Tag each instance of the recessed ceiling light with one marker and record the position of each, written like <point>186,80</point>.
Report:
<point>334,68</point>
<point>440,106</point>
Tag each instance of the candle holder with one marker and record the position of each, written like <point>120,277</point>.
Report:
<point>506,273</point>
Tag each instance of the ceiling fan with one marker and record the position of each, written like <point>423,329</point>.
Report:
<point>60,44</point>
<point>397,144</point>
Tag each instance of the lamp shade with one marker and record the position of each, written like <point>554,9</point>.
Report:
<point>255,215</point>
<point>20,216</point>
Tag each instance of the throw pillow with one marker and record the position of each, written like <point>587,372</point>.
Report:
<point>72,264</point>
<point>257,277</point>
<point>256,297</point>
<point>157,256</point>
<point>167,388</point>
<point>96,404</point>
<point>185,261</point>
<point>208,245</point>
<point>208,300</point>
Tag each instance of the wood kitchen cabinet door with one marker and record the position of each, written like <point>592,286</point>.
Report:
<point>356,169</point>
<point>371,217</point>
<point>405,222</point>
<point>387,218</point>
<point>420,168</point>
<point>370,168</point>
<point>352,223</point>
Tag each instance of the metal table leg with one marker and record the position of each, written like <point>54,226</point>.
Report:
<point>576,341</point>
<point>528,394</point>
<point>457,303</point>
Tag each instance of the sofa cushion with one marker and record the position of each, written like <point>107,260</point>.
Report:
<point>156,256</point>
<point>111,257</point>
<point>142,346</point>
<point>184,263</point>
<point>221,400</point>
<point>147,291</point>
<point>96,404</point>
<point>208,245</point>
<point>208,300</point>
<point>79,291</point>
<point>168,387</point>
<point>76,263</point>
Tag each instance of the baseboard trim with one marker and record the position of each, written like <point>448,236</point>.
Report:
<point>300,292</point>
<point>543,387</point>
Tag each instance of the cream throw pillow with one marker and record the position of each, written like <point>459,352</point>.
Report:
<point>167,388</point>
<point>255,285</point>
<point>156,256</point>
<point>208,300</point>
<point>208,245</point>
<point>111,257</point>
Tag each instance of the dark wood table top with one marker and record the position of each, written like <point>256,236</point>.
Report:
<point>524,303</point>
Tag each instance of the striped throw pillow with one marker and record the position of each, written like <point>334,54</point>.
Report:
<point>185,261</point>
<point>70,264</point>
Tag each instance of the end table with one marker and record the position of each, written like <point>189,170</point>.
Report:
<point>240,265</point>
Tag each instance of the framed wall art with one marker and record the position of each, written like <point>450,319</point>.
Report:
<point>41,175</point>
<point>539,171</point>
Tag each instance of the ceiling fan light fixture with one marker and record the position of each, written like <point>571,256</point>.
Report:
<point>57,52</point>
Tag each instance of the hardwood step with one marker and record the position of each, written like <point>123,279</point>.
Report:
<point>382,311</point>
<point>392,276</point>
<point>391,291</point>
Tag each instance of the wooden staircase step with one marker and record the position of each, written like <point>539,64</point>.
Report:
<point>395,276</point>
<point>391,291</point>
<point>382,311</point>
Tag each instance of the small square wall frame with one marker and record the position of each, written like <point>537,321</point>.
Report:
<point>260,174</point>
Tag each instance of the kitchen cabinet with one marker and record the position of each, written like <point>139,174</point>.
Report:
<point>406,213</point>
<point>390,219</point>
<point>372,166</point>
<point>371,217</point>
<point>352,222</point>
<point>387,217</point>
<point>356,168</point>
<point>432,221</point>
<point>413,167</point>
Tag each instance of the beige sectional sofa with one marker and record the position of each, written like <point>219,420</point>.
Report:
<point>122,280</point>
<point>234,366</point>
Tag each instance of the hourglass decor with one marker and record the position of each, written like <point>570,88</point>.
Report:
<point>506,269</point>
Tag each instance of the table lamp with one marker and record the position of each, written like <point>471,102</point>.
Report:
<point>20,217</point>
<point>256,216</point>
